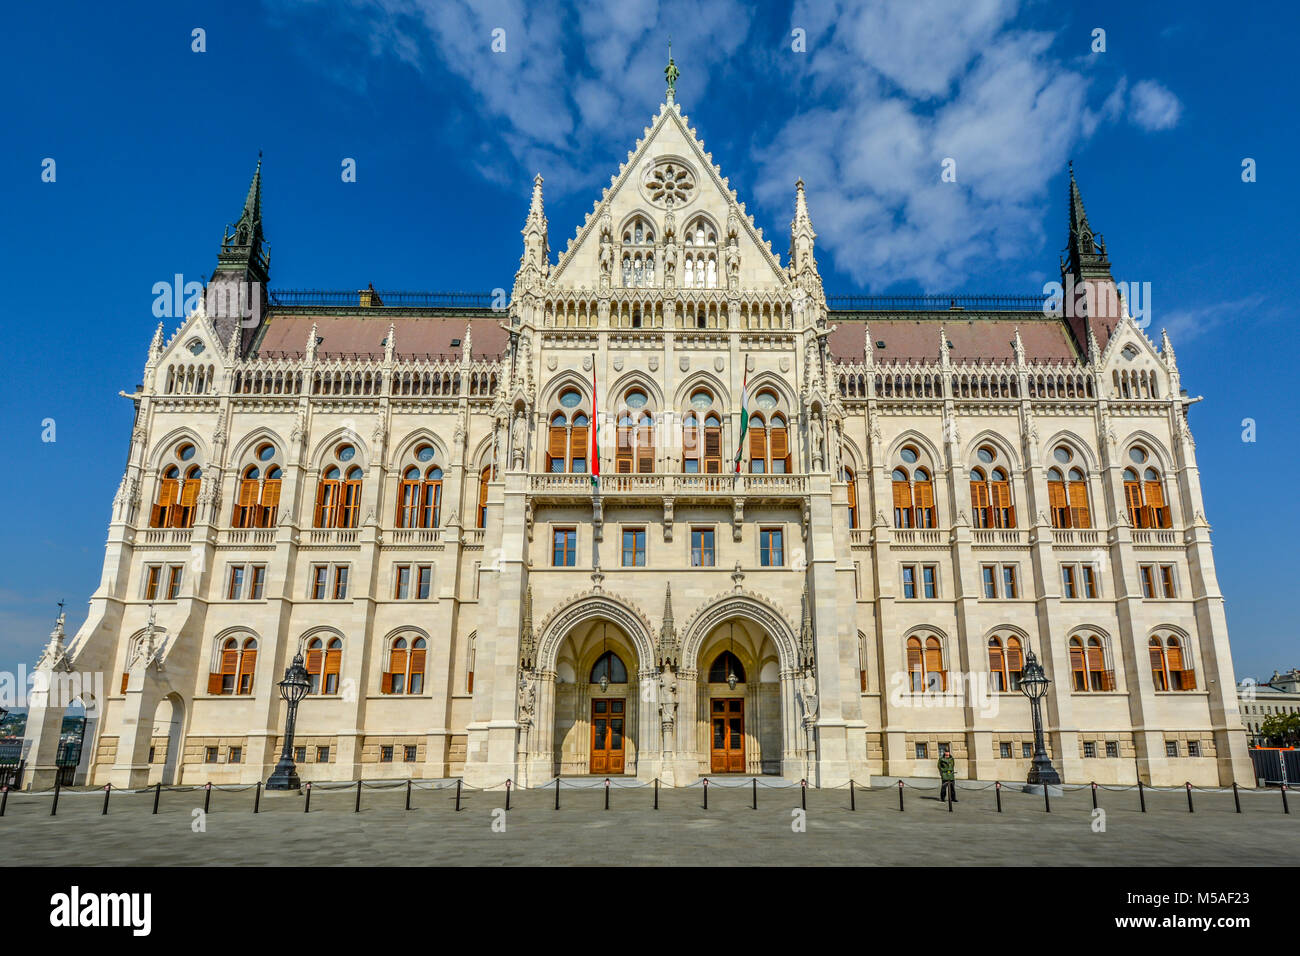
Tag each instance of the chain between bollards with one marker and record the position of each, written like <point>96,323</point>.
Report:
<point>997,792</point>
<point>257,798</point>
<point>306,807</point>
<point>108,789</point>
<point>1190,808</point>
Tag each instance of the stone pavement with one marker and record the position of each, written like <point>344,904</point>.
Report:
<point>682,832</point>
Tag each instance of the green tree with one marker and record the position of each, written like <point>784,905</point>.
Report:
<point>1281,728</point>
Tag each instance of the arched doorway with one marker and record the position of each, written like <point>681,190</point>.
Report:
<point>597,701</point>
<point>165,740</point>
<point>738,700</point>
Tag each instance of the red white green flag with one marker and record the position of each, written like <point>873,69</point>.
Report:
<point>594,457</point>
<point>744,419</point>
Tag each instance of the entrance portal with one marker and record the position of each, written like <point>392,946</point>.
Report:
<point>728,749</point>
<point>607,724</point>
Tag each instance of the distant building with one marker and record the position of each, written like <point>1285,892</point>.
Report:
<point>1262,700</point>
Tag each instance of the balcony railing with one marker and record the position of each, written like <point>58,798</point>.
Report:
<point>668,484</point>
<point>166,537</point>
<point>1075,536</point>
<point>997,537</point>
<point>1155,538</point>
<point>912,536</point>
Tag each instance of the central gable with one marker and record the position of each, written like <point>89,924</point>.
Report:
<point>669,173</point>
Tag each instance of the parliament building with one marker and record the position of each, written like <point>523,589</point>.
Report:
<point>664,510</point>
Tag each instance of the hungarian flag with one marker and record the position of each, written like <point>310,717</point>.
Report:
<point>594,457</point>
<point>744,419</point>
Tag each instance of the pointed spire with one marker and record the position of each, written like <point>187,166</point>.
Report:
<point>806,641</point>
<point>668,605</point>
<point>869,347</point>
<point>1094,350</point>
<point>253,201</point>
<point>944,357</point>
<point>671,73</point>
<point>1019,346</point>
<point>312,338</point>
<point>534,264</point>
<point>1085,250</point>
<point>55,653</point>
<point>1167,348</point>
<point>232,348</point>
<point>467,344</point>
<point>247,236</point>
<point>527,640</point>
<point>668,632</point>
<point>803,244</point>
<point>156,346</point>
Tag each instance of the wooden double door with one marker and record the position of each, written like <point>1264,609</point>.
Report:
<point>727,738</point>
<point>608,721</point>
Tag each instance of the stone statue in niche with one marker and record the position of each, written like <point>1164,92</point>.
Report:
<point>517,439</point>
<point>818,441</point>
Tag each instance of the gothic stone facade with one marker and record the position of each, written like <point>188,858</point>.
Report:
<point>841,607</point>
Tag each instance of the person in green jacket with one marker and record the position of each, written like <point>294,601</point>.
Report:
<point>948,774</point>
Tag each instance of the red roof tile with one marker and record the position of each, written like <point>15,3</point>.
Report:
<point>1045,340</point>
<point>364,335</point>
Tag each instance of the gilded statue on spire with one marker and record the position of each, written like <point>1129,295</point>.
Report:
<point>671,73</point>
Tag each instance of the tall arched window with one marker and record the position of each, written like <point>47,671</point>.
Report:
<point>236,666</point>
<point>324,661</point>
<point>997,665</point>
<point>638,254</point>
<point>405,671</point>
<point>700,258</point>
<point>1145,496</point>
<point>1067,491</point>
<point>913,489</point>
<point>757,445</point>
<point>990,491</point>
<point>178,496</point>
<point>925,665</point>
<point>1171,664</point>
<point>769,441</point>
<point>702,435</point>
<point>484,478</point>
<point>257,501</point>
<point>1088,665</point>
<point>724,666</point>
<point>610,666</point>
<point>566,445</point>
<point>635,448</point>
<point>338,493</point>
<point>419,494</point>
<point>852,480</point>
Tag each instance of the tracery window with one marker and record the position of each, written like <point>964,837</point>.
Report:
<point>404,673</point>
<point>638,266</point>
<point>925,665</point>
<point>1088,665</point>
<point>567,437</point>
<point>990,491</point>
<point>257,502</point>
<point>913,490</point>
<point>1145,496</point>
<point>1067,492</point>
<point>702,435</point>
<point>635,445</point>
<point>1006,663</point>
<point>700,258</point>
<point>178,490</point>
<point>236,665</point>
<point>1171,664</point>
<point>324,661</point>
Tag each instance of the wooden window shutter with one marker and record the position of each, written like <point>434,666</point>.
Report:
<point>934,665</point>
<point>1158,666</point>
<point>406,492</point>
<point>386,685</point>
<point>417,661</point>
<point>214,683</point>
<point>247,665</point>
<point>1133,498</point>
<point>924,504</point>
<point>190,492</point>
<point>126,678</point>
<point>1056,503</point>
<point>167,493</point>
<point>333,661</point>
<point>322,499</point>
<point>1079,515</point>
<point>1189,680</point>
<point>314,660</point>
<point>1175,657</point>
<point>853,500</point>
<point>270,498</point>
<point>578,442</point>
<point>979,502</point>
<point>350,506</point>
<point>995,660</point>
<point>913,655</point>
<point>1014,661</point>
<point>780,444</point>
<point>713,442</point>
<point>556,443</point>
<point>248,493</point>
<point>902,496</point>
<point>645,450</point>
<point>1155,500</point>
<point>1001,493</point>
<point>397,661</point>
<point>482,492</point>
<point>758,443</point>
<point>1095,658</point>
<point>229,661</point>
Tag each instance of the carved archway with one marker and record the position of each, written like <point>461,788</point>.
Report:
<point>595,605</point>
<point>749,606</point>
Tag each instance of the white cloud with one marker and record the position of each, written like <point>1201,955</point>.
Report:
<point>1153,107</point>
<point>1187,324</point>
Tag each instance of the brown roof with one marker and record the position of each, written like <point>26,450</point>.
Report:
<point>1045,339</point>
<point>364,335</point>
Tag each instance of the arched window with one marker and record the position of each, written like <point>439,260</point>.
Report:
<point>990,491</point>
<point>338,493</point>
<point>1015,663</point>
<point>779,445</point>
<point>324,660</point>
<point>769,441</point>
<point>700,258</point>
<point>702,445</point>
<point>1145,496</point>
<point>484,477</point>
<point>236,666</point>
<point>1171,664</point>
<point>723,666</point>
<point>923,498</point>
<point>903,516</point>
<point>997,665</point>
<point>757,445</point>
<point>925,665</point>
<point>690,443</point>
<point>257,501</point>
<point>913,492</point>
<point>638,254</point>
<point>610,666</point>
<point>419,494</point>
<point>1088,665</point>
<point>405,671</point>
<point>178,497</point>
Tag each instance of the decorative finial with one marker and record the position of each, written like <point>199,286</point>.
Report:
<point>671,72</point>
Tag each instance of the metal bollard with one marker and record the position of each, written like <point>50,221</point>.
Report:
<point>997,792</point>
<point>706,793</point>
<point>108,788</point>
<point>306,807</point>
<point>951,787</point>
<point>408,794</point>
<point>755,786</point>
<point>1094,794</point>
<point>557,797</point>
<point>157,792</point>
<point>803,794</point>
<point>207,796</point>
<point>1142,799</point>
<point>853,799</point>
<point>357,808</point>
<point>257,797</point>
<point>607,793</point>
<point>1285,808</point>
<point>1190,808</point>
<point>54,807</point>
<point>507,794</point>
<point>4,799</point>
<point>1047,798</point>
<point>557,791</point>
<point>1236,797</point>
<point>900,796</point>
<point>458,783</point>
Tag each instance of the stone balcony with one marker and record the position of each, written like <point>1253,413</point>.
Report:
<point>566,488</point>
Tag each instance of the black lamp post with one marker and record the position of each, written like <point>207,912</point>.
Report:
<point>293,689</point>
<point>1033,684</point>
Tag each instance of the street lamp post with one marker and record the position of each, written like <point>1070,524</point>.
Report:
<point>1033,684</point>
<point>292,689</point>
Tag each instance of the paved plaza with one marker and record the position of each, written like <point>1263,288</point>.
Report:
<point>680,832</point>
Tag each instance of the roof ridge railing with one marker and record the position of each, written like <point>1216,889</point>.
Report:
<point>353,299</point>
<point>936,303</point>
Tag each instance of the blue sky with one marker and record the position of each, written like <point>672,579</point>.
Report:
<point>154,144</point>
